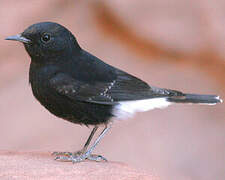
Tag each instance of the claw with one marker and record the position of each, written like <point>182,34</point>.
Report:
<point>77,156</point>
<point>61,154</point>
<point>63,158</point>
<point>95,157</point>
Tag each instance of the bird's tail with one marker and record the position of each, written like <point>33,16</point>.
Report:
<point>196,98</point>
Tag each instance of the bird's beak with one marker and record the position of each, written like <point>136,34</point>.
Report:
<point>19,38</point>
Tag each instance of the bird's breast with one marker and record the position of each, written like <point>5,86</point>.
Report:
<point>39,80</point>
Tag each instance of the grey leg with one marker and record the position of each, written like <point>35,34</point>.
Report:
<point>98,140</point>
<point>78,157</point>
<point>95,157</point>
<point>82,150</point>
<point>90,138</point>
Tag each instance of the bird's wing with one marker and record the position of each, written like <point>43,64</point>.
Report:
<point>77,90</point>
<point>129,88</point>
<point>124,88</point>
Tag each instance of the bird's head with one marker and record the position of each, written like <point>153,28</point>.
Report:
<point>47,42</point>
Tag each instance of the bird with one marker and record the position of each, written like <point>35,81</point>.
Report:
<point>79,87</point>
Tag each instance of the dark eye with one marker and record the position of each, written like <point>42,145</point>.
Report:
<point>45,38</point>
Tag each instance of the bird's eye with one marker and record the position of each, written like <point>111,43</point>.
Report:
<point>46,37</point>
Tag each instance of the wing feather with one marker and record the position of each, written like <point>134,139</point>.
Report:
<point>124,88</point>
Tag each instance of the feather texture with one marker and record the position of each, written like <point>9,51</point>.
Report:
<point>127,108</point>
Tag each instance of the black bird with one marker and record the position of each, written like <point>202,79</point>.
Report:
<point>78,87</point>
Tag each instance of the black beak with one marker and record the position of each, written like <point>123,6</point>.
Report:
<point>19,38</point>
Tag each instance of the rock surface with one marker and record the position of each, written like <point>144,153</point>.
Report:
<point>41,166</point>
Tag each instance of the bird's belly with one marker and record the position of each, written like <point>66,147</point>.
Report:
<point>73,111</point>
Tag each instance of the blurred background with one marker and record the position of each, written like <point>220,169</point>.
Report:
<point>177,44</point>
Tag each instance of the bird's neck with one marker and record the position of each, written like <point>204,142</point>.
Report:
<point>38,71</point>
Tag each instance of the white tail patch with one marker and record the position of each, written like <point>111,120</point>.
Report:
<point>221,101</point>
<point>127,108</point>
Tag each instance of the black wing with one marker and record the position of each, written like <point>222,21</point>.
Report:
<point>123,88</point>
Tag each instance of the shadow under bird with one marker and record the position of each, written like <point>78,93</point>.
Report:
<point>79,87</point>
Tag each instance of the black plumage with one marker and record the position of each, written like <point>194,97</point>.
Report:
<point>77,86</point>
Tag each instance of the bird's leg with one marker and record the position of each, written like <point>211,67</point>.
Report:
<point>82,155</point>
<point>82,150</point>
<point>95,157</point>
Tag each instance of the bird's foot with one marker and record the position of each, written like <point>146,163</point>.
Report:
<point>96,157</point>
<point>61,153</point>
<point>77,153</point>
<point>77,157</point>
